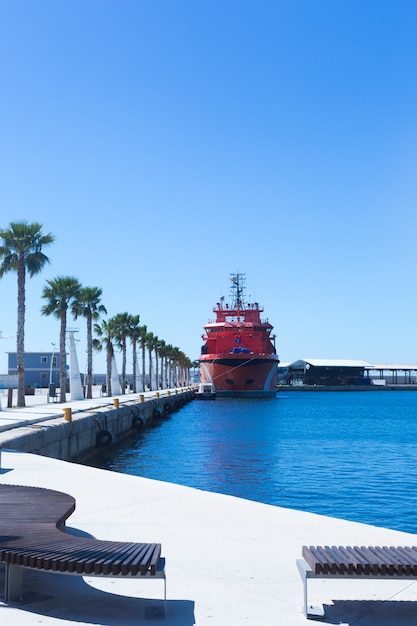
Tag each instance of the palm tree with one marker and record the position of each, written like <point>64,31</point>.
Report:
<point>149,342</point>
<point>21,252</point>
<point>106,334</point>
<point>168,365</point>
<point>142,338</point>
<point>195,365</point>
<point>175,355</point>
<point>162,354</point>
<point>121,330</point>
<point>61,293</point>
<point>156,342</point>
<point>134,335</point>
<point>88,305</point>
<point>185,365</point>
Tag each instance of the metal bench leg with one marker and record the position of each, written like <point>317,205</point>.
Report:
<point>13,583</point>
<point>302,569</point>
<point>309,611</point>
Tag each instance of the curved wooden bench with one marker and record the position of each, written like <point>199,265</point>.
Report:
<point>32,521</point>
<point>367,562</point>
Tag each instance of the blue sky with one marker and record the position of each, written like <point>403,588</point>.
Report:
<point>167,144</point>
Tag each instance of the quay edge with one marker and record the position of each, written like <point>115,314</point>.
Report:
<point>301,388</point>
<point>92,428</point>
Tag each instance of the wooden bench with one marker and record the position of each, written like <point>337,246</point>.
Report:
<point>367,562</point>
<point>32,521</point>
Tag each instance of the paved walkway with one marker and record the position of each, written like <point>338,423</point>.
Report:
<point>230,562</point>
<point>39,409</point>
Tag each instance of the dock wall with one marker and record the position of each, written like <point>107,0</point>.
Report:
<point>70,435</point>
<point>301,388</point>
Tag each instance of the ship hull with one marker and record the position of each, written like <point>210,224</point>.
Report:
<point>240,376</point>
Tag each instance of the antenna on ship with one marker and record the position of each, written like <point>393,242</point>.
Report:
<point>237,289</point>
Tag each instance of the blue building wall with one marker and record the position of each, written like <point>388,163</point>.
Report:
<point>38,370</point>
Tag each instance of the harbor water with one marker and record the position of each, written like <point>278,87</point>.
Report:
<point>351,455</point>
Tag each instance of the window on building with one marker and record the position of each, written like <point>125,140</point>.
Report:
<point>44,359</point>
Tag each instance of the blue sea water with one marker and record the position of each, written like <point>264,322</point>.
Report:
<point>351,455</point>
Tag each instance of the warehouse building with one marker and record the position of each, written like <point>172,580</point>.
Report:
<point>328,372</point>
<point>345,372</point>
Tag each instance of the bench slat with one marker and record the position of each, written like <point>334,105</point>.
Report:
<point>349,567</point>
<point>339,559</point>
<point>410,557</point>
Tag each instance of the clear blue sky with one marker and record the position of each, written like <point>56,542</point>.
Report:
<point>167,144</point>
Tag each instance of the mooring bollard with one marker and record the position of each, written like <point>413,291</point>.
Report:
<point>67,414</point>
<point>116,403</point>
<point>142,397</point>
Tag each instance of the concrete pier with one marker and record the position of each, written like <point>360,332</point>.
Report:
<point>72,429</point>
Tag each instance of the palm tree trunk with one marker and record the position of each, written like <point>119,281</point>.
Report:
<point>124,366</point>
<point>150,370</point>
<point>134,357</point>
<point>162,373</point>
<point>20,340</point>
<point>62,358</point>
<point>143,364</point>
<point>109,356</point>
<point>157,369</point>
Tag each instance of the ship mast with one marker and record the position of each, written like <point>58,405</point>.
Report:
<point>237,289</point>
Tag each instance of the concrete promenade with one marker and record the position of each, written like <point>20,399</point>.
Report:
<point>230,562</point>
<point>38,409</point>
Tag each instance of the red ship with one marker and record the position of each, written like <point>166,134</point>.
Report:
<point>238,357</point>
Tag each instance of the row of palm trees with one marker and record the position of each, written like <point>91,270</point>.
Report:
<point>22,252</point>
<point>171,364</point>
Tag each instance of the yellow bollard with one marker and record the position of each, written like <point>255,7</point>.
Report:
<point>142,397</point>
<point>169,392</point>
<point>157,394</point>
<point>67,414</point>
<point>116,403</point>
